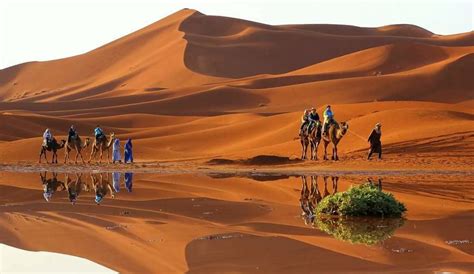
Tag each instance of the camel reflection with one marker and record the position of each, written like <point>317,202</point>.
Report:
<point>75,187</point>
<point>51,185</point>
<point>379,184</point>
<point>311,195</point>
<point>101,187</point>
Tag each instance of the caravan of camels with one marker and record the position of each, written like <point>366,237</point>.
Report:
<point>312,131</point>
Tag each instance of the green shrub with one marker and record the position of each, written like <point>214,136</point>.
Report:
<point>363,200</point>
<point>356,230</point>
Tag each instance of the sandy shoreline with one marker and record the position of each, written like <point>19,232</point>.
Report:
<point>234,170</point>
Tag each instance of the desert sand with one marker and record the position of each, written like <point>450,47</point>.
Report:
<point>209,94</point>
<point>198,87</point>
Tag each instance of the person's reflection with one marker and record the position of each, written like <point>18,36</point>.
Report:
<point>74,187</point>
<point>50,186</point>
<point>101,187</point>
<point>379,184</point>
<point>128,181</point>
<point>116,181</point>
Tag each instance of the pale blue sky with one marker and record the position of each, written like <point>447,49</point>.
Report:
<point>36,30</point>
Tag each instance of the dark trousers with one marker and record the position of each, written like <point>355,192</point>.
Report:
<point>374,148</point>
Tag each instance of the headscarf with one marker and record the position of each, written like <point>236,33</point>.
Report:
<point>129,143</point>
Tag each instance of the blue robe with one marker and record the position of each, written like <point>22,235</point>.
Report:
<point>128,152</point>
<point>128,181</point>
<point>116,151</point>
<point>116,181</point>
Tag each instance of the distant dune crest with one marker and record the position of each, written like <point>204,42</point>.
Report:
<point>190,49</point>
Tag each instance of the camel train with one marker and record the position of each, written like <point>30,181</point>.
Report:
<point>310,136</point>
<point>99,146</point>
<point>313,138</point>
<point>311,133</point>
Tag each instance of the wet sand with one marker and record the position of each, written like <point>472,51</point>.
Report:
<point>199,223</point>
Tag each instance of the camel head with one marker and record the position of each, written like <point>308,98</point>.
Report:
<point>62,143</point>
<point>344,127</point>
<point>87,142</point>
<point>112,135</point>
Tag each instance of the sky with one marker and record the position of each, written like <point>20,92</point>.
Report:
<point>39,30</point>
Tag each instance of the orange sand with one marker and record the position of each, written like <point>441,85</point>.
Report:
<point>191,88</point>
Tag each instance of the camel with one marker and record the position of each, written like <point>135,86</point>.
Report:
<point>54,146</point>
<point>74,188</point>
<point>50,186</point>
<point>102,145</point>
<point>310,197</point>
<point>101,187</point>
<point>307,212</point>
<point>312,138</point>
<point>334,136</point>
<point>77,145</point>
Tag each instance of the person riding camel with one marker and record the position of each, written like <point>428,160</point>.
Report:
<point>47,137</point>
<point>304,121</point>
<point>328,118</point>
<point>313,118</point>
<point>98,133</point>
<point>374,140</point>
<point>72,134</point>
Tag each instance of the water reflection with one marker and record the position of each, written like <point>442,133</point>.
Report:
<point>356,230</point>
<point>51,185</point>
<point>100,185</point>
<point>74,187</point>
<point>311,196</point>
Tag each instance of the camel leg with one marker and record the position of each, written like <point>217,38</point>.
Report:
<point>92,154</point>
<point>75,159</point>
<point>316,151</point>
<point>336,158</point>
<point>303,149</point>
<point>325,150</point>
<point>326,192</point>
<point>334,184</point>
<point>41,155</point>
<point>80,155</point>
<point>46,157</point>
<point>66,155</point>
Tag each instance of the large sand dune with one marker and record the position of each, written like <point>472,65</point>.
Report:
<point>193,86</point>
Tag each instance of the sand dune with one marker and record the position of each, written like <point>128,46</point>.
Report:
<point>193,86</point>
